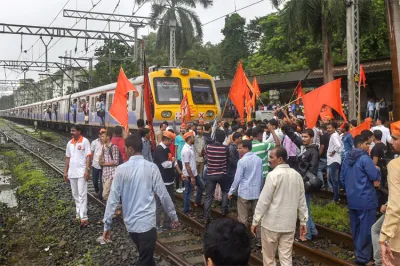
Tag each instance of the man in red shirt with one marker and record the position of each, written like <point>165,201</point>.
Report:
<point>119,141</point>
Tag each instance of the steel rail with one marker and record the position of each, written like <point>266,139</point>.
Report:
<point>160,247</point>
<point>299,248</point>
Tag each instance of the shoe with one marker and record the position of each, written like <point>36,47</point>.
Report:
<point>159,229</point>
<point>84,223</point>
<point>183,189</point>
<point>198,205</point>
<point>258,243</point>
<point>337,201</point>
<point>179,190</point>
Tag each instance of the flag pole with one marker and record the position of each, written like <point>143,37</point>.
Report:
<point>282,107</point>
<point>359,104</point>
<point>226,102</point>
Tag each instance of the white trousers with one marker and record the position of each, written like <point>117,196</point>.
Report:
<point>79,192</point>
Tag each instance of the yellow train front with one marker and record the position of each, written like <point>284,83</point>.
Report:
<point>170,85</point>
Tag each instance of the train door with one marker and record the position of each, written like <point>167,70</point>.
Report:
<point>92,109</point>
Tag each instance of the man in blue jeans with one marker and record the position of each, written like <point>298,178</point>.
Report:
<point>189,170</point>
<point>334,158</point>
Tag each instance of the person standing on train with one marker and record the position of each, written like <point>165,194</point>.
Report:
<point>74,109</point>
<point>118,141</point>
<point>76,171</point>
<point>95,148</point>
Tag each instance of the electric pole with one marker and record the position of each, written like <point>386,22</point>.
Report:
<point>353,57</point>
<point>393,21</point>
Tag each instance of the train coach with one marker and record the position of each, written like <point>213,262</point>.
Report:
<point>169,86</point>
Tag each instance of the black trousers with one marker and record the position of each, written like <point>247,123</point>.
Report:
<point>146,244</point>
<point>160,208</point>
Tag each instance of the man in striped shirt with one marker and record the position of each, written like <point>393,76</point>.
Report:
<point>261,149</point>
<point>217,163</point>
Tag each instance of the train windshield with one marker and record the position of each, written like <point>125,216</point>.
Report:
<point>168,90</point>
<point>202,91</point>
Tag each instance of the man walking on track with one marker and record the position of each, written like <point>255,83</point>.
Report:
<point>96,149</point>
<point>390,233</point>
<point>77,166</point>
<point>281,199</point>
<point>136,182</point>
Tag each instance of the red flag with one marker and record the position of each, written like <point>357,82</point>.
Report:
<point>148,101</point>
<point>118,109</point>
<point>298,92</point>
<point>185,109</point>
<point>364,126</point>
<point>328,94</point>
<point>238,90</point>
<point>363,79</point>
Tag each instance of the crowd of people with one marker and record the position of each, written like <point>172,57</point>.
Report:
<point>269,168</point>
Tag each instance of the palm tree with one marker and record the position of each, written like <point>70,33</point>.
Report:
<point>323,19</point>
<point>189,27</point>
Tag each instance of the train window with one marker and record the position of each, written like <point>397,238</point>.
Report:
<point>168,90</point>
<point>110,100</point>
<point>133,101</point>
<point>202,92</point>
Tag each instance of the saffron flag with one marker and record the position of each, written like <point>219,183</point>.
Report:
<point>148,101</point>
<point>363,79</point>
<point>328,94</point>
<point>118,109</point>
<point>185,109</point>
<point>257,92</point>
<point>238,90</point>
<point>298,92</point>
<point>364,126</point>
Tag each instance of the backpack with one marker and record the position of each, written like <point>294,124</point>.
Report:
<point>121,160</point>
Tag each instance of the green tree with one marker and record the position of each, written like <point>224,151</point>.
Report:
<point>234,45</point>
<point>154,56</point>
<point>121,56</point>
<point>205,58</point>
<point>189,28</point>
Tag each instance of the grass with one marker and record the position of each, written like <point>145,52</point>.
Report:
<point>331,215</point>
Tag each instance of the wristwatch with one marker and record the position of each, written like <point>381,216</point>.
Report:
<point>386,243</point>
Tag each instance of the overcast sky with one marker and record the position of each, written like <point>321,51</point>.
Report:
<point>42,13</point>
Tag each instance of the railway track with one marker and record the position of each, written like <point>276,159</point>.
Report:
<point>174,244</point>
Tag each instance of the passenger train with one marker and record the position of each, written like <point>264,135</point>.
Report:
<point>169,85</point>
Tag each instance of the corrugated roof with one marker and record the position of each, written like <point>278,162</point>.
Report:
<point>372,66</point>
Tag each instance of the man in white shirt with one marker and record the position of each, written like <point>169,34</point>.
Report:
<point>371,107</point>
<point>386,138</point>
<point>377,108</point>
<point>95,148</point>
<point>189,171</point>
<point>334,158</point>
<point>77,166</point>
<point>278,132</point>
<point>277,213</point>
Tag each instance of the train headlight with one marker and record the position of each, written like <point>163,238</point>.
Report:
<point>168,72</point>
<point>166,114</point>
<point>210,113</point>
<point>185,71</point>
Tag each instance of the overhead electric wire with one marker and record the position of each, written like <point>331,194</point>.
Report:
<point>232,12</point>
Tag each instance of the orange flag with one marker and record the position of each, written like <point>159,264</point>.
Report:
<point>364,126</point>
<point>119,110</point>
<point>257,92</point>
<point>363,79</point>
<point>326,113</point>
<point>185,109</point>
<point>238,90</point>
<point>298,92</point>
<point>328,94</point>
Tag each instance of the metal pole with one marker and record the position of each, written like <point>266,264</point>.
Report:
<point>172,50</point>
<point>90,72</point>
<point>353,63</point>
<point>393,18</point>
<point>135,49</point>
